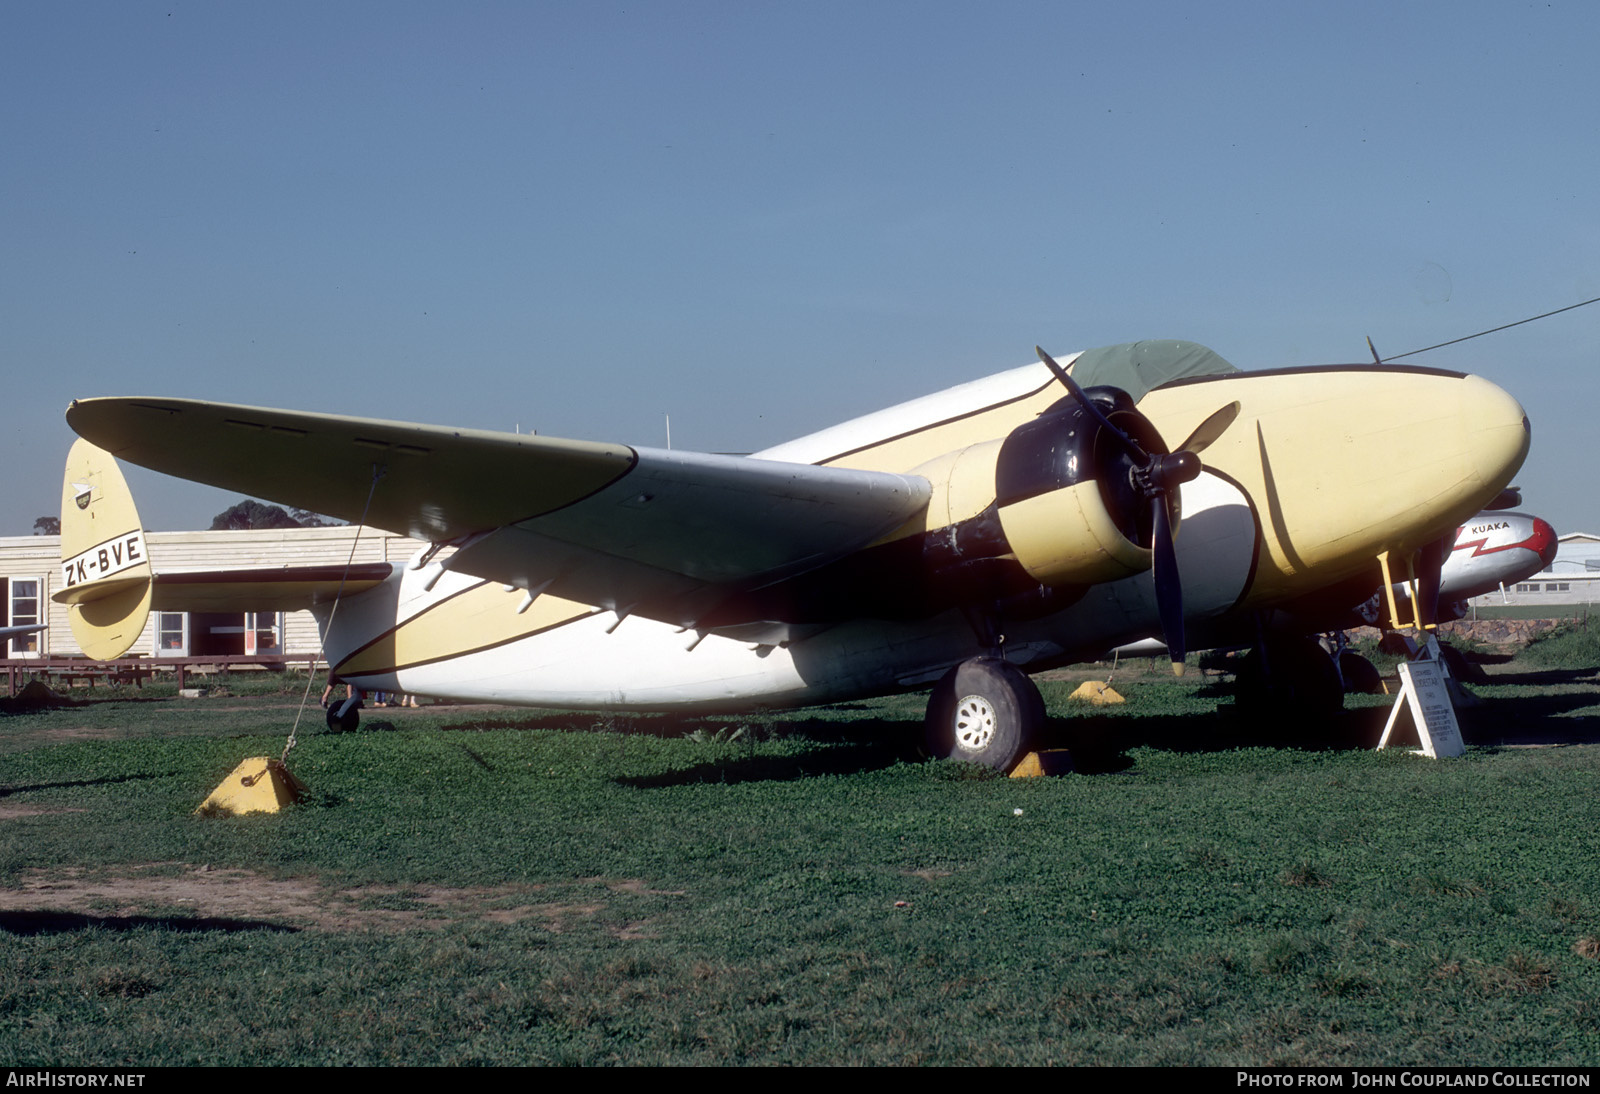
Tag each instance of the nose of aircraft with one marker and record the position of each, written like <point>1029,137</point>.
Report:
<point>1544,541</point>
<point>1441,446</point>
<point>1495,432</point>
<point>1346,463</point>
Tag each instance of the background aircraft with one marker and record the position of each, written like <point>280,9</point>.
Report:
<point>960,540</point>
<point>1491,550</point>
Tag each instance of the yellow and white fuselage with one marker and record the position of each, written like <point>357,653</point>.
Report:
<point>842,564</point>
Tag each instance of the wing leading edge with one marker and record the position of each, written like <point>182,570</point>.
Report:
<point>661,533</point>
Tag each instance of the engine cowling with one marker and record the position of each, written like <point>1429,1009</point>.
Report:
<point>1065,493</point>
<point>1065,504</point>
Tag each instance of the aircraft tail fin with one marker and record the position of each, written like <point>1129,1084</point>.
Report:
<point>106,575</point>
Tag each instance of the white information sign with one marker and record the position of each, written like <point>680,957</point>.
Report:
<point>1423,690</point>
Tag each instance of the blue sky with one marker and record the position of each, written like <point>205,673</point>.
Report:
<point>761,219</point>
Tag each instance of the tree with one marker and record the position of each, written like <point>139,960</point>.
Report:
<point>47,526</point>
<point>253,514</point>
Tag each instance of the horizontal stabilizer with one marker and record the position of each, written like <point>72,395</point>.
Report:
<point>270,589</point>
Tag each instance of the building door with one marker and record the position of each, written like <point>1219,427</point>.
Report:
<point>216,634</point>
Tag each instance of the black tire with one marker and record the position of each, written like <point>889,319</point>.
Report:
<point>1463,670</point>
<point>984,711</point>
<point>1361,677</point>
<point>1298,675</point>
<point>344,716</point>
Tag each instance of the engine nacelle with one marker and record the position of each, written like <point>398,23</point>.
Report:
<point>1068,537</point>
<point>1055,495</point>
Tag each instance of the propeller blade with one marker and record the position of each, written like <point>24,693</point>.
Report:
<point>1061,373</point>
<point>1158,477</point>
<point>1210,429</point>
<point>1431,577</point>
<point>1509,498</point>
<point>1169,589</point>
<point>1094,410</point>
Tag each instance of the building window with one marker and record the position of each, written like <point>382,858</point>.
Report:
<point>25,605</point>
<point>261,632</point>
<point>172,639</point>
<point>1557,586</point>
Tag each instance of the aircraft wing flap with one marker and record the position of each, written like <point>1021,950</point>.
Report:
<point>717,519</point>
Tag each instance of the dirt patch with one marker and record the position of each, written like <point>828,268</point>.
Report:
<point>12,812</point>
<point>228,894</point>
<point>633,885</point>
<point>35,696</point>
<point>60,734</point>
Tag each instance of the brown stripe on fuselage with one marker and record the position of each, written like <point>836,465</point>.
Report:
<point>479,617</point>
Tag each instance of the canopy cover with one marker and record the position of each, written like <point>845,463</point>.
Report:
<point>1141,367</point>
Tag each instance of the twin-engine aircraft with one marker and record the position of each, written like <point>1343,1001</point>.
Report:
<point>961,540</point>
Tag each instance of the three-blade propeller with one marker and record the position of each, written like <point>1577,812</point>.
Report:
<point>1157,476</point>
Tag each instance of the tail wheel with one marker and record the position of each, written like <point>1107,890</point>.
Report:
<point>985,711</point>
<point>343,716</point>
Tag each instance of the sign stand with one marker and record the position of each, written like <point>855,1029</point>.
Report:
<point>1424,690</point>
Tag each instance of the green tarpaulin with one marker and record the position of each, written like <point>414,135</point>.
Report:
<point>1139,367</point>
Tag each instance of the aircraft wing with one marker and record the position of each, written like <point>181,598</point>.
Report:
<point>663,533</point>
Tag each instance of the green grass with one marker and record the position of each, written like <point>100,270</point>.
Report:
<point>1574,645</point>
<point>1530,611</point>
<point>799,888</point>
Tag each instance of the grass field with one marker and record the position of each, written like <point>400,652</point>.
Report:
<point>475,885</point>
<point>1531,611</point>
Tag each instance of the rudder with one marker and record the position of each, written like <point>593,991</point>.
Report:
<point>106,575</point>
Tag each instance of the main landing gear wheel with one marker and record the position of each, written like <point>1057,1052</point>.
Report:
<point>1298,675</point>
<point>1361,677</point>
<point>985,711</point>
<point>1464,671</point>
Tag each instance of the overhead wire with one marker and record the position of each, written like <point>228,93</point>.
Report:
<point>338,596</point>
<point>1491,330</point>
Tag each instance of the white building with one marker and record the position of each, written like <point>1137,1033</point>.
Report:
<point>30,571</point>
